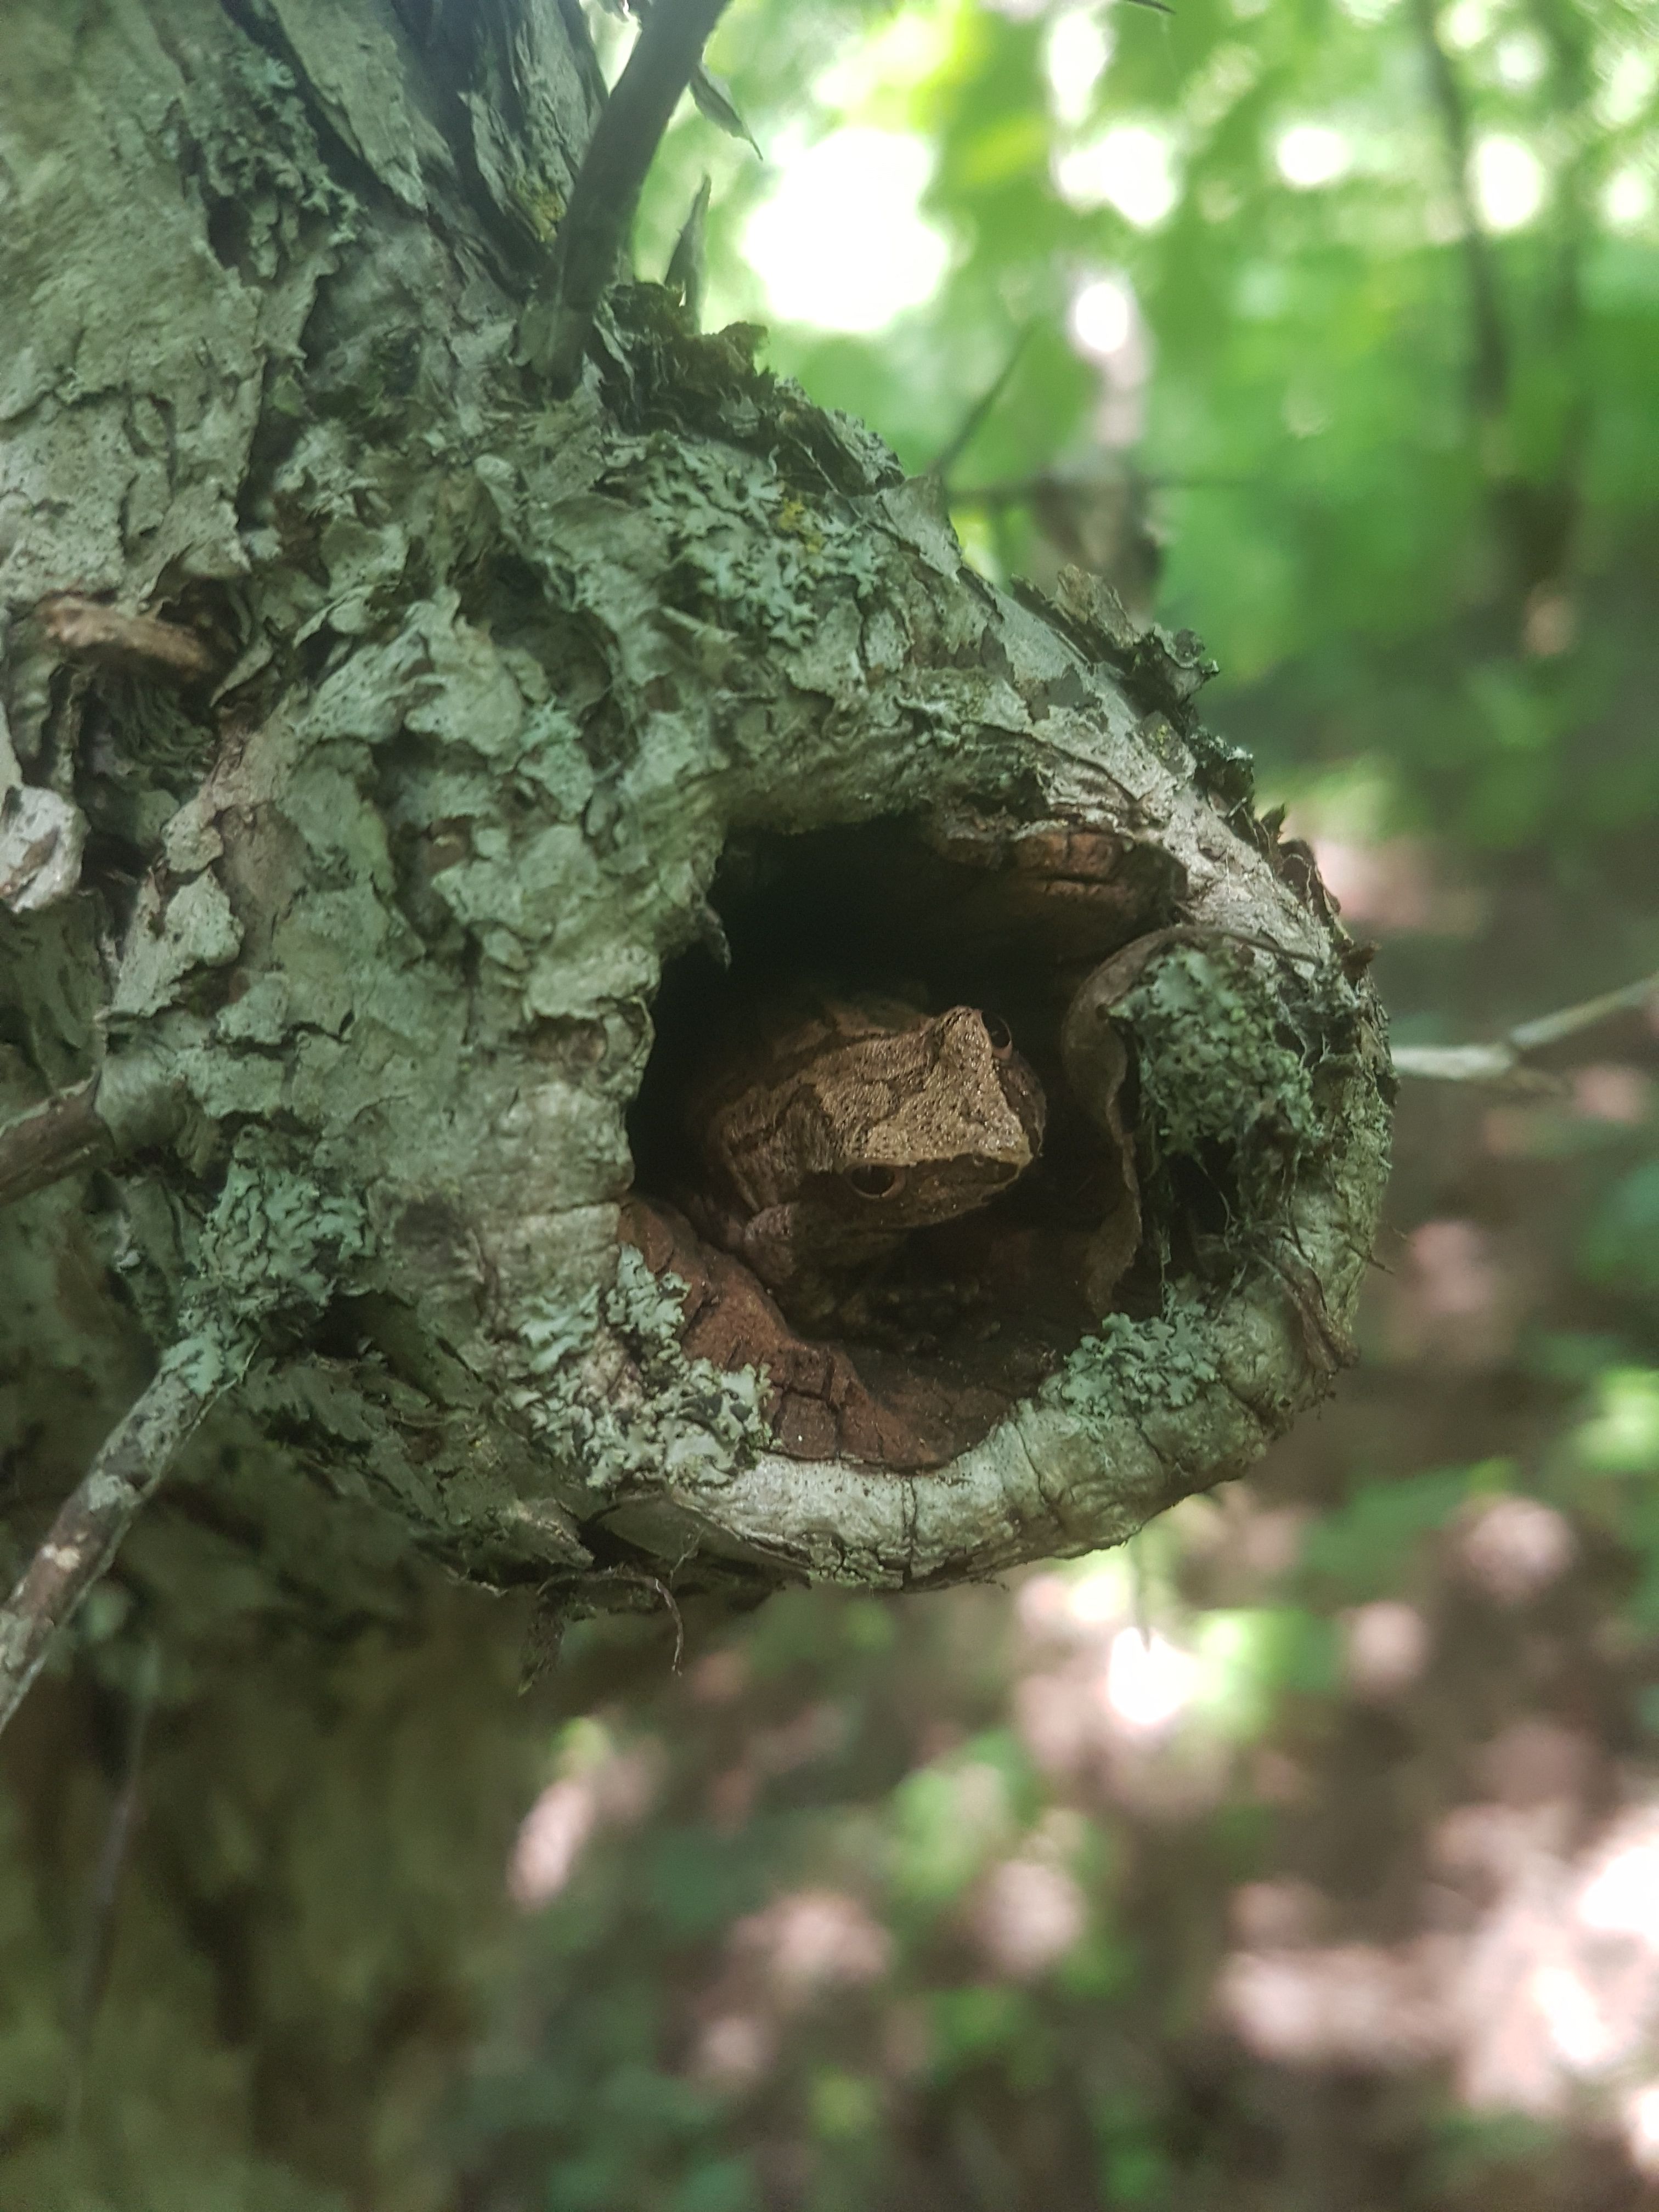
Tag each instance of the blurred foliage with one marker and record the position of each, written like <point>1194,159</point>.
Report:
<point>1198,1875</point>
<point>1410,535</point>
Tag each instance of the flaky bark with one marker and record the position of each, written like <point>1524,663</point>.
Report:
<point>409,711</point>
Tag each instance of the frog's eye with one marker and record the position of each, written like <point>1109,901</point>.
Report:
<point>1001,1036</point>
<point>875,1182</point>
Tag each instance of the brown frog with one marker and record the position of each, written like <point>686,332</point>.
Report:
<point>838,1125</point>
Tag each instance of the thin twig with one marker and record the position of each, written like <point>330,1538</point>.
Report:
<point>82,1541</point>
<point>663,1590</point>
<point>1504,1066</point>
<point>52,1141</point>
<point>1024,491</point>
<point>134,1101</point>
<point>955,447</point>
<point>607,186</point>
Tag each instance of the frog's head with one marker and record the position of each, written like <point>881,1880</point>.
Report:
<point>943,1132</point>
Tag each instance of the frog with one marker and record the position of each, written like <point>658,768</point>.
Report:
<point>833,1128</point>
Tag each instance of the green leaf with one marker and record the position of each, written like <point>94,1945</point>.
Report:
<point>714,100</point>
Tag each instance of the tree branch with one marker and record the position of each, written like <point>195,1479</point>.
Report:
<point>1506,1065</point>
<point>607,187</point>
<point>82,1541</point>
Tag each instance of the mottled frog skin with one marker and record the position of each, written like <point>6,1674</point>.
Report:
<point>835,1128</point>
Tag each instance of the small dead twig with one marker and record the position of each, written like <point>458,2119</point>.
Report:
<point>127,1470</point>
<point>88,629</point>
<point>54,1140</point>
<point>133,1100</point>
<point>607,187</point>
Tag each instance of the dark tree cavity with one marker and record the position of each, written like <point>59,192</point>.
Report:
<point>421,725</point>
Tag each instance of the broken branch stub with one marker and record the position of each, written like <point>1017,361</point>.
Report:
<point>859,779</point>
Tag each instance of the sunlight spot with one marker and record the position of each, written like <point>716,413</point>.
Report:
<point>814,1939</point>
<point>1606,1090</point>
<point>1029,1915</point>
<point>1627,86</point>
<point>1642,2128</point>
<point>733,2049</point>
<point>1521,59</point>
<point>1313,154</point>
<point>1149,1682</point>
<point>1466,24</point>
<point>1350,2004</point>
<point>1515,1547</point>
<point>1262,290</point>
<point>912,46</point>
<point>550,1842</point>
<point>1306,416</point>
<point>1457,1271</point>
<point>1075,53</point>
<point>1042,1604</point>
<point>1621,1895</point>
<point>1102,317</point>
<point>1385,1648</point>
<point>1130,168</point>
<point>602,1785</point>
<point>1549,623</point>
<point>1576,2023</point>
<point>1094,1600</point>
<point>1509,182</point>
<point>839,243</point>
<point>1627,200</point>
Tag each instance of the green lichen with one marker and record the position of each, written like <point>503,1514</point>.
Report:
<point>255,150</point>
<point>1229,1054</point>
<point>1213,1067</point>
<point>542,205</point>
<point>1224,770</point>
<point>684,1418</point>
<point>277,1246</point>
<point>1135,1368</point>
<point>748,551</point>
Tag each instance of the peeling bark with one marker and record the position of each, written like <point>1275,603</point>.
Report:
<point>419,720</point>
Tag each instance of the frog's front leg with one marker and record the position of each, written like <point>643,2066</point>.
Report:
<point>771,1242</point>
<point>768,1243</point>
<point>807,1259</point>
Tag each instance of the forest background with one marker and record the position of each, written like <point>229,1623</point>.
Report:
<point>1307,1854</point>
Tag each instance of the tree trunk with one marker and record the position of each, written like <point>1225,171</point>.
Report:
<point>407,770</point>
